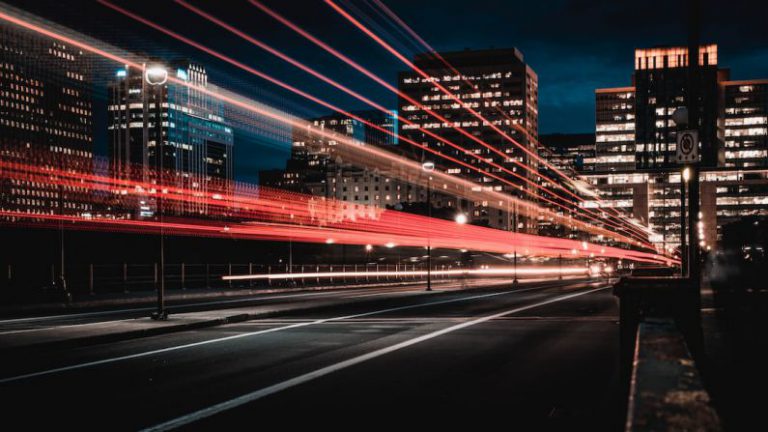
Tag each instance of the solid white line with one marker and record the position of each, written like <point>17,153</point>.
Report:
<point>301,379</point>
<point>256,297</point>
<point>242,335</point>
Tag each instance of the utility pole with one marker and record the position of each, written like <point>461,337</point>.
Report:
<point>515,282</point>
<point>62,280</point>
<point>429,233</point>
<point>428,167</point>
<point>694,266</point>
<point>156,77</point>
<point>684,177</point>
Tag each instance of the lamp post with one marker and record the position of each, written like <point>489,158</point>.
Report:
<point>514,254</point>
<point>428,167</point>
<point>62,282</point>
<point>692,99</point>
<point>156,76</point>
<point>685,176</point>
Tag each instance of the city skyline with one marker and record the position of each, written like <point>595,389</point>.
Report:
<point>568,73</point>
<point>217,215</point>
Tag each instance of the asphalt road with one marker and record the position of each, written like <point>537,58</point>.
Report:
<point>34,320</point>
<point>538,357</point>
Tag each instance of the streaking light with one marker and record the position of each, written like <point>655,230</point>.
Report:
<point>487,271</point>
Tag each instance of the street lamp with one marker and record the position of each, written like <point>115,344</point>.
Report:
<point>428,167</point>
<point>155,76</point>
<point>461,219</point>
<point>685,176</point>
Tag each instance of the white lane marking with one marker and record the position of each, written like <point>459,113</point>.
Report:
<point>242,335</point>
<point>403,287</point>
<point>301,379</point>
<point>213,303</point>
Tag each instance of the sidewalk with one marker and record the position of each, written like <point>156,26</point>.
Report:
<point>149,297</point>
<point>77,335</point>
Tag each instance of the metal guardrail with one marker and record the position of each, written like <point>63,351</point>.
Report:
<point>136,277</point>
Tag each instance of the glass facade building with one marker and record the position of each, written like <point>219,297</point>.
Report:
<point>636,143</point>
<point>499,85</point>
<point>157,126</point>
<point>615,129</point>
<point>746,123</point>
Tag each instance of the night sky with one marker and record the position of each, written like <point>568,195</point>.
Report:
<point>575,46</point>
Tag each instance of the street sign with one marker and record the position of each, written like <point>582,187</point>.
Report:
<point>687,146</point>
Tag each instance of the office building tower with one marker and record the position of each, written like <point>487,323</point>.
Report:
<point>156,125</point>
<point>499,85</point>
<point>46,119</point>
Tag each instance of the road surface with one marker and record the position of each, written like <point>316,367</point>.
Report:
<point>538,357</point>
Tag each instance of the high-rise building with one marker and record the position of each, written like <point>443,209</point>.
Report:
<point>496,83</point>
<point>615,129</point>
<point>661,83</point>
<point>316,168</point>
<point>155,125</point>
<point>572,153</point>
<point>636,142</point>
<point>746,123</point>
<point>313,153</point>
<point>46,119</point>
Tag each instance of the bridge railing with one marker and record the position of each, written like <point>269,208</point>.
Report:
<point>136,277</point>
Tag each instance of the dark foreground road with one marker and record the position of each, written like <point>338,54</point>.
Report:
<point>536,358</point>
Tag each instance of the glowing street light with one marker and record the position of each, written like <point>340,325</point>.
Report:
<point>368,248</point>
<point>461,219</point>
<point>156,75</point>
<point>686,174</point>
<point>390,245</point>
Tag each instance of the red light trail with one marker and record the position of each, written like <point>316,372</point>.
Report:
<point>590,215</point>
<point>318,234</point>
<point>440,234</point>
<point>277,215</point>
<point>387,11</point>
<point>628,225</point>
<point>448,93</point>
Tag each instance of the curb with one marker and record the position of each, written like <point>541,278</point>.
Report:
<point>79,342</point>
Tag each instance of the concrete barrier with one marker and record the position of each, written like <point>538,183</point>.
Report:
<point>666,391</point>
